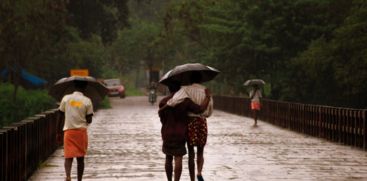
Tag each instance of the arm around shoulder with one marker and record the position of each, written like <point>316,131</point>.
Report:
<point>198,109</point>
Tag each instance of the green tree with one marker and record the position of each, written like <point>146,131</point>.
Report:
<point>332,71</point>
<point>101,17</point>
<point>250,38</point>
<point>133,46</point>
<point>26,30</point>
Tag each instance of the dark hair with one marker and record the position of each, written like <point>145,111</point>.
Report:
<point>195,77</point>
<point>80,85</point>
<point>174,86</point>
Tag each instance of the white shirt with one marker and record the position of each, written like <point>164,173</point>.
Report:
<point>76,106</point>
<point>256,95</point>
<point>196,93</point>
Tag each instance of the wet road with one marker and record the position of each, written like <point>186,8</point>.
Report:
<point>125,144</point>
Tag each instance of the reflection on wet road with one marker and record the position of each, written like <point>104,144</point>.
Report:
<point>125,144</point>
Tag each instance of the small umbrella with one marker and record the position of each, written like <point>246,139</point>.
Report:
<point>253,82</point>
<point>182,73</point>
<point>94,90</point>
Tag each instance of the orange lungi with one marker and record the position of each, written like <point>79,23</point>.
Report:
<point>75,143</point>
<point>255,105</point>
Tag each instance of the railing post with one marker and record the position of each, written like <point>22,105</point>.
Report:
<point>355,133</point>
<point>32,157</point>
<point>345,126</point>
<point>364,129</point>
<point>329,125</point>
<point>21,150</point>
<point>42,137</point>
<point>319,121</point>
<point>4,154</point>
<point>11,153</point>
<point>338,126</point>
<point>52,122</point>
<point>288,113</point>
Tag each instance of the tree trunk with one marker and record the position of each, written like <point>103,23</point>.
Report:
<point>137,78</point>
<point>15,74</point>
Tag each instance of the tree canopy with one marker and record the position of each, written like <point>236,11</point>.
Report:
<point>311,51</point>
<point>297,47</point>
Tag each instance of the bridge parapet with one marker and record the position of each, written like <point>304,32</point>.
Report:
<point>26,144</point>
<point>343,125</point>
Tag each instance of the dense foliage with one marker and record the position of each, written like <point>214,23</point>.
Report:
<point>101,17</point>
<point>311,51</point>
<point>334,70</point>
<point>48,38</point>
<point>24,106</point>
<point>307,50</point>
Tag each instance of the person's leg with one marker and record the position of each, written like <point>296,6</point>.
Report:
<point>80,161</point>
<point>169,167</point>
<point>68,163</point>
<point>200,159</point>
<point>178,167</point>
<point>191,162</point>
<point>255,117</point>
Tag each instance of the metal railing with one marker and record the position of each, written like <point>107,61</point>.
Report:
<point>342,125</point>
<point>26,144</point>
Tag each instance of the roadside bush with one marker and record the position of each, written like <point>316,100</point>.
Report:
<point>105,104</point>
<point>27,103</point>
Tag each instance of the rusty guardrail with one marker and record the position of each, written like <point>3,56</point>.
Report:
<point>343,125</point>
<point>26,144</point>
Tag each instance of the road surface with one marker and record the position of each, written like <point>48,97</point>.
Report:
<point>125,145</point>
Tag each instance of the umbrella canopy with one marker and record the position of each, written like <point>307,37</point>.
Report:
<point>182,73</point>
<point>253,82</point>
<point>94,90</point>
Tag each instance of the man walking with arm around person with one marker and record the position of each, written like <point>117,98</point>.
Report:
<point>197,127</point>
<point>174,129</point>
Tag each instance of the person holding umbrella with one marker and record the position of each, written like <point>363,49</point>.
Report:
<point>77,95</point>
<point>77,110</point>
<point>197,126</point>
<point>192,75</point>
<point>255,96</point>
<point>174,128</point>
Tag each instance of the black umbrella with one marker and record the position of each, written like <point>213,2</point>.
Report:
<point>182,73</point>
<point>94,90</point>
<point>253,82</point>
